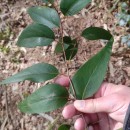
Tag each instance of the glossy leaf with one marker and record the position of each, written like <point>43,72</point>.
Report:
<point>89,77</point>
<point>71,7</point>
<point>71,51</point>
<point>64,127</point>
<point>36,35</point>
<point>48,1</point>
<point>37,73</point>
<point>96,33</point>
<point>45,99</point>
<point>44,15</point>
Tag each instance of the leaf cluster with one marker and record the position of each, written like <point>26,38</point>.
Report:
<point>85,82</point>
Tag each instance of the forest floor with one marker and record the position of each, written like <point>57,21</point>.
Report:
<point>13,19</point>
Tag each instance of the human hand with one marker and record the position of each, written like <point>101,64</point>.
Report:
<point>106,110</point>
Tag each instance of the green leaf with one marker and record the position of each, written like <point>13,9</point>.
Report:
<point>48,1</point>
<point>89,77</point>
<point>67,41</point>
<point>37,73</point>
<point>44,15</point>
<point>71,51</point>
<point>70,47</point>
<point>45,99</point>
<point>71,7</point>
<point>96,33</point>
<point>36,35</point>
<point>59,49</point>
<point>64,127</point>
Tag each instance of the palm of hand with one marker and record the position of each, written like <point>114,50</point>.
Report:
<point>104,122</point>
<point>110,120</point>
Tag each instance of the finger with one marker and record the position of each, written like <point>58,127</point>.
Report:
<point>102,104</point>
<point>90,128</point>
<point>69,111</point>
<point>80,124</point>
<point>104,120</point>
<point>84,122</point>
<point>62,80</point>
<point>92,120</point>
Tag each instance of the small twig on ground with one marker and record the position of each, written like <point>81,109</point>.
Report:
<point>36,2</point>
<point>4,123</point>
<point>104,4</point>
<point>8,111</point>
<point>53,124</point>
<point>114,6</point>
<point>49,118</point>
<point>6,102</point>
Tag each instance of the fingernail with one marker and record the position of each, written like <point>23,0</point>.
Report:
<point>90,128</point>
<point>80,104</point>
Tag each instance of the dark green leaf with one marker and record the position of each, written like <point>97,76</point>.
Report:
<point>45,99</point>
<point>48,1</point>
<point>70,47</point>
<point>89,77</point>
<point>71,7</point>
<point>95,33</point>
<point>45,15</point>
<point>59,49</point>
<point>36,73</point>
<point>64,127</point>
<point>67,41</point>
<point>71,51</point>
<point>36,35</point>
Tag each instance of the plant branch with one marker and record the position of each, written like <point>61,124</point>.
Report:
<point>67,66</point>
<point>64,54</point>
<point>73,89</point>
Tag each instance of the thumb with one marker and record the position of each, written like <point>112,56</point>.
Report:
<point>102,104</point>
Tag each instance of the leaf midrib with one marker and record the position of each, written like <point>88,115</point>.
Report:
<point>6,80</point>
<point>45,99</point>
<point>38,74</point>
<point>68,11</point>
<point>91,76</point>
<point>36,37</point>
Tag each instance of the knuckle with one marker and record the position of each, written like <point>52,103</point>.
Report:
<point>94,105</point>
